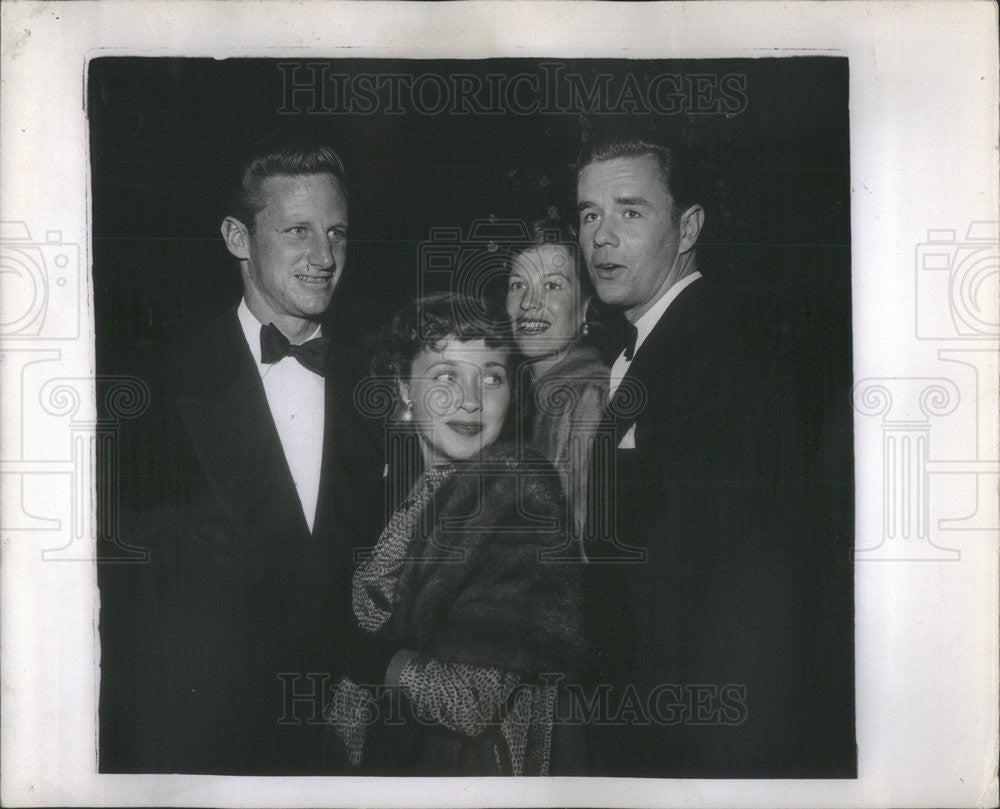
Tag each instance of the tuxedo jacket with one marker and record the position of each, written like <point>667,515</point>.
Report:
<point>218,654</point>
<point>703,602</point>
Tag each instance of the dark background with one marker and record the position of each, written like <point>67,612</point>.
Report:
<point>167,134</point>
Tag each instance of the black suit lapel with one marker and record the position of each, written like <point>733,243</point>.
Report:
<point>224,408</point>
<point>331,449</point>
<point>350,480</point>
<point>662,349</point>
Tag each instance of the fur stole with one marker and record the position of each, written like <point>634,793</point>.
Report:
<point>490,578</point>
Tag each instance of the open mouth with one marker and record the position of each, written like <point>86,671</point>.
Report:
<point>315,280</point>
<point>532,326</point>
<point>466,427</point>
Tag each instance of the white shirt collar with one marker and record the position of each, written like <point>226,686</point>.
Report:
<point>645,324</point>
<point>251,331</point>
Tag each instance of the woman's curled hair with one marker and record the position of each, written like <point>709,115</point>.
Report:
<point>432,320</point>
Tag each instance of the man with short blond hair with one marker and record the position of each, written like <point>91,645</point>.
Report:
<point>256,479</point>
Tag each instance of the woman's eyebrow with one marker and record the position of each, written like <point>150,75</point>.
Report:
<point>448,363</point>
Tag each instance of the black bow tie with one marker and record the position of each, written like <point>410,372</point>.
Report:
<point>633,336</point>
<point>310,354</point>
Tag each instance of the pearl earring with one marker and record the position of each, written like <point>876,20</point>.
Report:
<point>407,411</point>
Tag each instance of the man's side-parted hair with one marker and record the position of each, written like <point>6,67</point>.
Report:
<point>282,153</point>
<point>675,166</point>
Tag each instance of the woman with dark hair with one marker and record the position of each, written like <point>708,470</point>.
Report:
<point>548,298</point>
<point>458,598</point>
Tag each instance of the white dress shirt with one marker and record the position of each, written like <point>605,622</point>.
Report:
<point>297,399</point>
<point>643,326</point>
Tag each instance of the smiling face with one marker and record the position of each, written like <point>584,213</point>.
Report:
<point>460,396</point>
<point>544,300</point>
<point>633,247</point>
<point>293,256</point>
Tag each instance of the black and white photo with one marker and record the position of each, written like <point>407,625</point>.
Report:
<point>702,203</point>
<point>397,395</point>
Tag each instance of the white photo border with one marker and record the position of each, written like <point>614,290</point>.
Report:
<point>924,180</point>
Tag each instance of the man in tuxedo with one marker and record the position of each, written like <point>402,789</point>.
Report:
<point>702,604</point>
<point>251,481</point>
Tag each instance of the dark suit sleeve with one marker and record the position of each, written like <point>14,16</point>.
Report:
<point>711,629</point>
<point>136,565</point>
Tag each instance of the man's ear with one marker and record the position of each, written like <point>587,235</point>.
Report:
<point>235,235</point>
<point>691,223</point>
